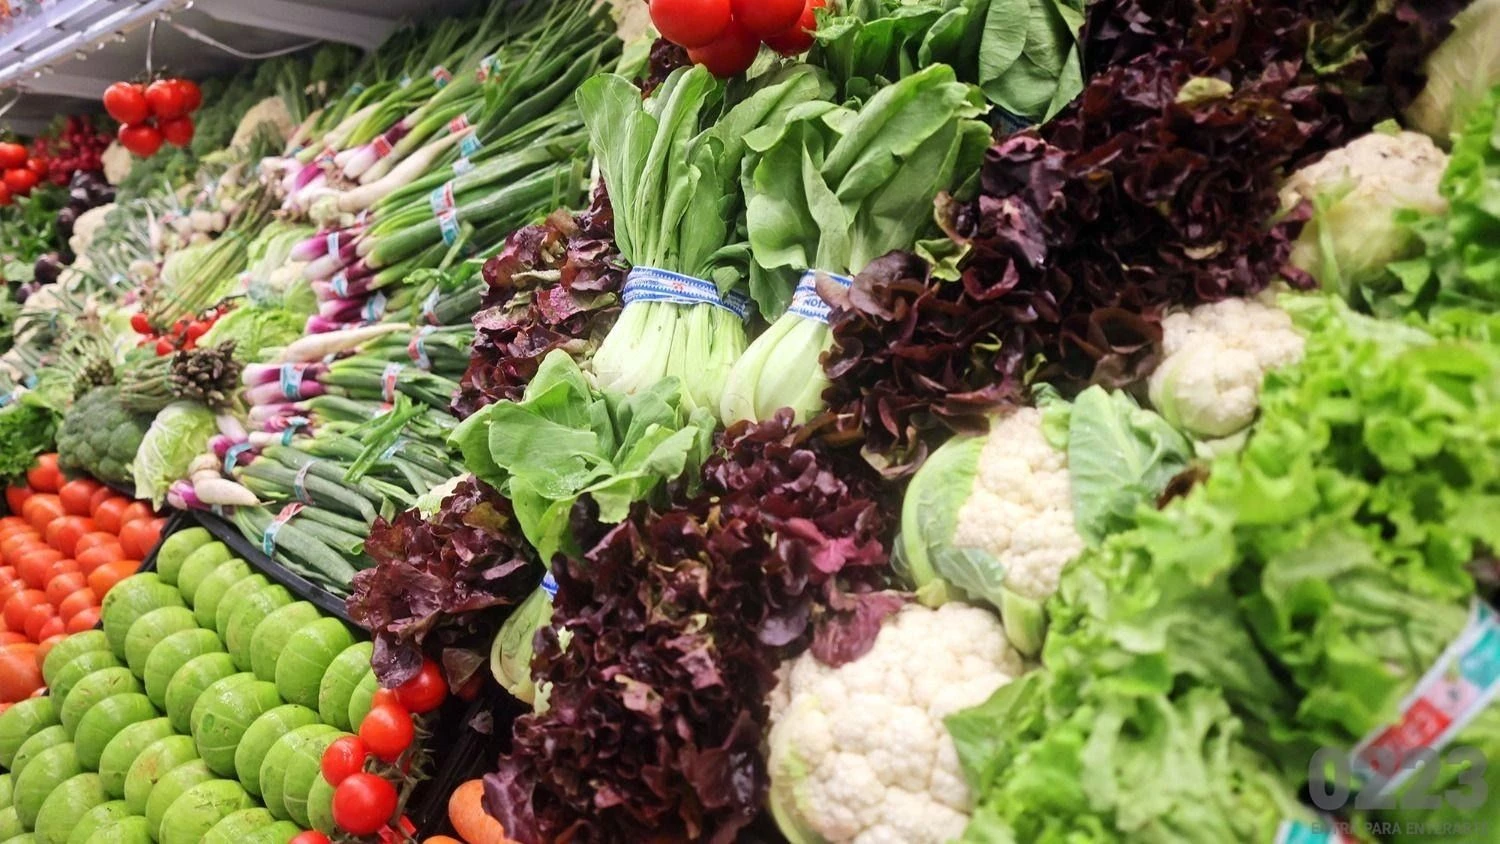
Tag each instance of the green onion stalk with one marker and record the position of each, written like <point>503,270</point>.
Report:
<point>835,190</point>
<point>671,164</point>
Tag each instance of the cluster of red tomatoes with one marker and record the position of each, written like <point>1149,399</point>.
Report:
<point>152,114</point>
<point>19,173</point>
<point>725,35</point>
<point>182,336</point>
<point>65,544</point>
<point>365,803</point>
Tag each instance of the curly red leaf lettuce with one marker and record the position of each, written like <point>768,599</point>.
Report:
<point>666,636</point>
<point>554,286</point>
<point>1158,187</point>
<point>436,585</point>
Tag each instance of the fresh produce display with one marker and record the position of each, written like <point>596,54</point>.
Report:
<point>821,421</point>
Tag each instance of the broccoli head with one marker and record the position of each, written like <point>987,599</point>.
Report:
<point>100,437</point>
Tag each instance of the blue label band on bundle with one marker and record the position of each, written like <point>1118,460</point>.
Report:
<point>805,299</point>
<point>268,542</point>
<point>396,446</point>
<point>448,225</point>
<point>429,308</point>
<point>332,241</point>
<point>549,585</point>
<point>341,285</point>
<point>388,381</point>
<point>441,199</point>
<point>294,425</point>
<point>291,380</point>
<point>462,166</point>
<point>375,308</point>
<point>299,483</point>
<point>469,145</point>
<point>649,284</point>
<point>232,456</point>
<point>417,349</point>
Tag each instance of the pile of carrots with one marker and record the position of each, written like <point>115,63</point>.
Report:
<point>65,544</point>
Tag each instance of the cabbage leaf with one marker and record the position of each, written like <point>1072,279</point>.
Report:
<point>179,433</point>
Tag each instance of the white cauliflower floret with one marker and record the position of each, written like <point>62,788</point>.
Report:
<point>1021,507</point>
<point>88,224</point>
<point>271,111</point>
<point>1357,190</point>
<point>1216,357</point>
<point>118,162</point>
<point>860,754</point>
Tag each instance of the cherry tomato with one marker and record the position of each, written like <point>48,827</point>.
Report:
<point>126,103</point>
<point>76,495</point>
<point>387,731</point>
<point>343,759</point>
<point>5,197</point>
<point>765,18</point>
<point>166,100</point>
<point>20,181</point>
<point>798,39</point>
<point>197,329</point>
<point>310,836</point>
<point>38,166</point>
<point>384,697</point>
<point>690,23</point>
<point>142,139</point>
<point>424,692</point>
<point>12,156</point>
<point>141,323</point>
<point>45,476</point>
<point>163,347</point>
<point>363,803</point>
<point>192,96</point>
<point>178,131</point>
<point>730,54</point>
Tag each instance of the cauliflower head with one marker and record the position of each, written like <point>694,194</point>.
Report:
<point>860,753</point>
<point>272,112</point>
<point>1215,358</point>
<point>1021,507</point>
<point>1356,191</point>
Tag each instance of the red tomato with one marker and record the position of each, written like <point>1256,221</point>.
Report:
<point>54,628</point>
<point>39,167</point>
<point>94,540</point>
<point>178,131</point>
<point>41,509</point>
<point>798,39</point>
<point>104,578</point>
<point>192,96</point>
<point>126,103</point>
<point>142,139</point>
<point>5,199</point>
<point>77,496</point>
<point>137,538</point>
<point>35,565</point>
<point>424,692</point>
<point>59,588</point>
<point>730,54</point>
<point>310,836</point>
<point>166,99</point>
<point>19,675</point>
<point>63,534</point>
<point>20,181</point>
<point>765,18</point>
<point>384,697</point>
<point>76,603</point>
<point>105,494</point>
<point>19,605</point>
<point>15,498</point>
<point>140,323</point>
<point>344,758</point>
<point>363,803</point>
<point>12,155</point>
<point>45,476</point>
<point>36,616</point>
<point>86,620</point>
<point>99,555</point>
<point>690,23</point>
<point>387,731</point>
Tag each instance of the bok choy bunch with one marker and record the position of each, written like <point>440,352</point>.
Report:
<point>673,173</point>
<point>834,189</point>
